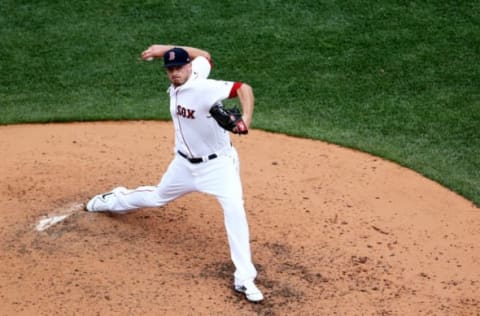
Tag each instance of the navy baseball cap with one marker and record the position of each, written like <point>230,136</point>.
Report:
<point>175,57</point>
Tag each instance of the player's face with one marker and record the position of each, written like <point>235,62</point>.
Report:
<point>179,75</point>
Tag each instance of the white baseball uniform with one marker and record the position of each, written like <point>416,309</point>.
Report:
<point>215,171</point>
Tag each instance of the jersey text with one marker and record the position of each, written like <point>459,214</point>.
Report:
<point>186,113</point>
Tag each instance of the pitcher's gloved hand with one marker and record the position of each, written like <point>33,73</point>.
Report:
<point>229,119</point>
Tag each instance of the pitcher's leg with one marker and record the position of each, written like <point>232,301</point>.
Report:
<point>221,178</point>
<point>238,236</point>
<point>175,182</point>
<point>123,200</point>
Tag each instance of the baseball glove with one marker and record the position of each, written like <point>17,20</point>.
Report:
<point>229,119</point>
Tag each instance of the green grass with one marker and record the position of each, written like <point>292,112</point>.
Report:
<point>395,78</point>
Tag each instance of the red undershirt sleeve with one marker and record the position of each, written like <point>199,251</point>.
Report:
<point>233,92</point>
<point>210,62</point>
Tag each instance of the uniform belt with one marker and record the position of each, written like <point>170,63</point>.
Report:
<point>198,160</point>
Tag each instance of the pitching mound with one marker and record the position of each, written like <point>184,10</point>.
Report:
<point>334,231</point>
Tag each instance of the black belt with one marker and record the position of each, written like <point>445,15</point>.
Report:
<point>197,160</point>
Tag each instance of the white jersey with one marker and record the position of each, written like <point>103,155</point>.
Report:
<point>197,134</point>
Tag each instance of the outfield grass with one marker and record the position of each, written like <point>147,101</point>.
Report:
<point>398,79</point>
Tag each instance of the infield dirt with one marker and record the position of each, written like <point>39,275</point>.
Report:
<point>333,231</point>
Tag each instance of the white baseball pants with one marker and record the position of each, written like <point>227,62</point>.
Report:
<point>219,177</point>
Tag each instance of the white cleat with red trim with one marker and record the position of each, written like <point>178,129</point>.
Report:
<point>99,203</point>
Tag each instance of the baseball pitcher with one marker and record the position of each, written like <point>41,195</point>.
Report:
<point>204,158</point>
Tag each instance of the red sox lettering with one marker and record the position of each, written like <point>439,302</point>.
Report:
<point>184,112</point>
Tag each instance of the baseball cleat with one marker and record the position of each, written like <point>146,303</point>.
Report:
<point>251,291</point>
<point>99,202</point>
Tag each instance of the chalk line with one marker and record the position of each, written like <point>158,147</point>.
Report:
<point>57,216</point>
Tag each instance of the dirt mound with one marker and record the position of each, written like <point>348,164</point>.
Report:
<point>334,231</point>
